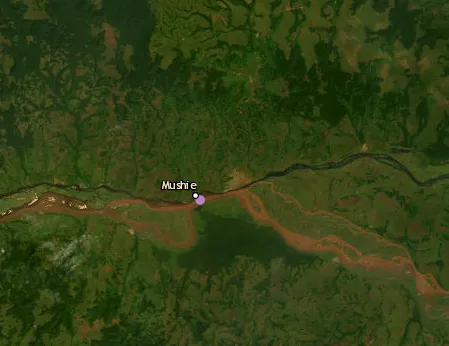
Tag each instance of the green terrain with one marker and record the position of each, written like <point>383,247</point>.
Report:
<point>317,130</point>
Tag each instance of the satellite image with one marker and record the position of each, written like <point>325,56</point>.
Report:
<point>224,172</point>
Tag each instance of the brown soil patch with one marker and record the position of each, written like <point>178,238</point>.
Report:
<point>107,268</point>
<point>424,64</point>
<point>110,35</point>
<point>238,179</point>
<point>348,202</point>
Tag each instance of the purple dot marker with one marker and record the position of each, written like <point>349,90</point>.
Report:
<point>200,200</point>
